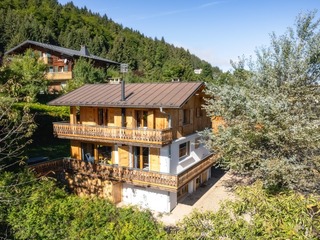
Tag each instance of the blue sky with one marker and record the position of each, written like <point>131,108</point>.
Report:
<point>215,31</point>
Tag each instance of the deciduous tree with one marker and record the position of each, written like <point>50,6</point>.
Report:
<point>272,112</point>
<point>24,76</point>
<point>256,214</point>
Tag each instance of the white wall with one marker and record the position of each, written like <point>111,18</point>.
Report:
<point>153,199</point>
<point>195,155</point>
<point>165,159</point>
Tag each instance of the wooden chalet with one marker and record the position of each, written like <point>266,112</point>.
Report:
<point>59,60</point>
<point>136,143</point>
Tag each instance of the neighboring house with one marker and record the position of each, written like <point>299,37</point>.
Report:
<point>60,61</point>
<point>136,143</point>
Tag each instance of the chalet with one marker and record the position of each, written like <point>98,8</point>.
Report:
<point>60,61</point>
<point>136,143</point>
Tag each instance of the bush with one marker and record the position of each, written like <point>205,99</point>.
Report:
<point>257,214</point>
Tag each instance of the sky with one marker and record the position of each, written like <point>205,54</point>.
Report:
<point>215,31</point>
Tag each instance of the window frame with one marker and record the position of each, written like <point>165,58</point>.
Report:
<point>186,116</point>
<point>185,149</point>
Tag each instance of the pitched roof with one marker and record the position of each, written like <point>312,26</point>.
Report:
<point>62,50</point>
<point>137,95</point>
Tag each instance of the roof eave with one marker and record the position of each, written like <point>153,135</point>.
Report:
<point>111,105</point>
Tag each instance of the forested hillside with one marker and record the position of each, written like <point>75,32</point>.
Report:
<point>48,21</point>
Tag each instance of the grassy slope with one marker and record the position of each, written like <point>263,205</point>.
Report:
<point>44,143</point>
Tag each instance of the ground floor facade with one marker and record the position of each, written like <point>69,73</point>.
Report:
<point>141,195</point>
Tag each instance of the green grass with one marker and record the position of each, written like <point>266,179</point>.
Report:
<point>44,144</point>
<point>57,149</point>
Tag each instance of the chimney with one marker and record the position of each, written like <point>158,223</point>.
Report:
<point>123,94</point>
<point>84,50</point>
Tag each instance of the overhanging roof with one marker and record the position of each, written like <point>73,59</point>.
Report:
<point>137,95</point>
<point>65,51</point>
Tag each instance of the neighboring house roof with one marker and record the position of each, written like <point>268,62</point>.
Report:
<point>137,95</point>
<point>65,51</point>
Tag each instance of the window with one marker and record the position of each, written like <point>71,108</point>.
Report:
<point>141,157</point>
<point>102,116</point>
<point>142,118</point>
<point>104,153</point>
<point>183,150</point>
<point>186,116</point>
<point>183,191</point>
<point>65,68</point>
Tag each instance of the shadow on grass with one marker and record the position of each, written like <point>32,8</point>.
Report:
<point>56,149</point>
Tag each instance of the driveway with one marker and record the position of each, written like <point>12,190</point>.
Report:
<point>207,197</point>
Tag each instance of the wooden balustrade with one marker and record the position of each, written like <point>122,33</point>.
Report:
<point>112,172</point>
<point>51,167</point>
<point>103,133</point>
<point>163,181</point>
<point>195,170</point>
<point>59,75</point>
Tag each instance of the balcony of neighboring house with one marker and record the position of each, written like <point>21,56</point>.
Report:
<point>58,69</point>
<point>122,135</point>
<point>59,75</point>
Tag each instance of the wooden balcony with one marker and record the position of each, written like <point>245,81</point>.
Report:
<point>96,133</point>
<point>163,181</point>
<point>59,75</point>
<point>135,176</point>
<point>194,170</point>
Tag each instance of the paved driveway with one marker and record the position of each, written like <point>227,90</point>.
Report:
<point>207,197</point>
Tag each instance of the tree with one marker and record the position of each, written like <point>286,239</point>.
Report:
<point>24,76</point>
<point>272,112</point>
<point>44,211</point>
<point>16,127</point>
<point>84,72</point>
<point>255,214</point>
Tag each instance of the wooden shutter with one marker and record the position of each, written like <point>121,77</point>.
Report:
<point>180,117</point>
<point>154,159</point>
<point>191,115</point>
<point>123,156</point>
<point>150,119</point>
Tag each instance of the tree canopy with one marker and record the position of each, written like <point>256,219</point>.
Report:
<point>255,214</point>
<point>271,111</point>
<point>68,26</point>
<point>84,72</point>
<point>23,77</point>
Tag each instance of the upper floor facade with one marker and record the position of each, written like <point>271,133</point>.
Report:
<point>148,114</point>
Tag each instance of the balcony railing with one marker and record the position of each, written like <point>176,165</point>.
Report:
<point>195,170</point>
<point>164,181</point>
<point>59,75</point>
<point>112,134</point>
<point>135,176</point>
